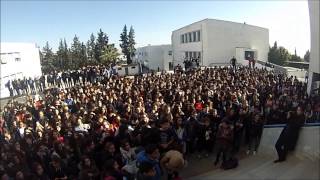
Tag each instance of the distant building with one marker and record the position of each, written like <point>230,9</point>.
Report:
<point>216,41</point>
<point>155,57</point>
<point>18,60</point>
<point>128,70</point>
<point>211,42</point>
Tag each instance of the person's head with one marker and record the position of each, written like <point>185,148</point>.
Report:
<point>21,124</point>
<point>214,112</point>
<point>147,169</point>
<point>165,124</point>
<point>232,112</point>
<point>86,162</point>
<point>206,121</point>
<point>110,147</point>
<point>257,117</point>
<point>126,145</point>
<point>17,146</point>
<point>38,169</point>
<point>56,161</point>
<point>179,121</point>
<point>152,151</point>
<point>19,175</point>
<point>299,110</point>
<point>111,165</point>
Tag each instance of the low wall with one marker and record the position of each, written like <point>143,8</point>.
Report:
<point>307,145</point>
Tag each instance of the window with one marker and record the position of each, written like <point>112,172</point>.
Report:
<point>190,37</point>
<point>185,38</point>
<point>3,61</point>
<point>195,54</point>
<point>186,54</point>
<point>170,66</point>
<point>170,53</point>
<point>17,59</point>
<point>190,54</point>
<point>194,35</point>
<point>182,39</point>
<point>198,35</point>
<point>199,55</point>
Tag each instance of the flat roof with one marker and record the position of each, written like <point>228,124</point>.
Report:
<point>159,45</point>
<point>208,19</point>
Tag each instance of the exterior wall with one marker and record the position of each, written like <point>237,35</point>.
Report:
<point>240,55</point>
<point>133,70</point>
<point>18,60</point>
<point>179,48</point>
<point>314,67</point>
<point>155,56</point>
<point>128,70</point>
<point>307,145</point>
<point>219,40</point>
<point>224,37</point>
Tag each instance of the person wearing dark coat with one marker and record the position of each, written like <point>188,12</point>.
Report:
<point>290,134</point>
<point>255,133</point>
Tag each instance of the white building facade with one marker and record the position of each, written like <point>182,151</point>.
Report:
<point>216,42</point>
<point>18,60</point>
<point>155,57</point>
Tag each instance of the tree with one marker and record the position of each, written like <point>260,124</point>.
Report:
<point>90,47</point>
<point>109,54</point>
<point>75,52</point>
<point>83,55</point>
<point>273,55</point>
<point>125,43</point>
<point>295,57</point>
<point>284,55</point>
<point>306,57</point>
<point>102,41</point>
<point>131,43</point>
<point>60,55</point>
<point>66,55</point>
<point>47,59</point>
<point>279,55</point>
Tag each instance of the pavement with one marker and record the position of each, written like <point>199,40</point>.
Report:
<point>261,166</point>
<point>303,163</point>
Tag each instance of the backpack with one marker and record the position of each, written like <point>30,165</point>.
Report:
<point>230,164</point>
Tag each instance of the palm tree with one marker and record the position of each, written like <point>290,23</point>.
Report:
<point>109,54</point>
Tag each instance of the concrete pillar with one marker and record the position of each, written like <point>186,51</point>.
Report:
<point>314,67</point>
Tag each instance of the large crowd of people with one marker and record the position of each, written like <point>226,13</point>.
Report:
<point>89,124</point>
<point>61,79</point>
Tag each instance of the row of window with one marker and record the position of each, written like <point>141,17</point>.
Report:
<point>190,37</point>
<point>9,57</point>
<point>146,54</point>
<point>143,54</point>
<point>193,55</point>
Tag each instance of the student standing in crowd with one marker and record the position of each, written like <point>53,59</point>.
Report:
<point>255,132</point>
<point>224,140</point>
<point>233,62</point>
